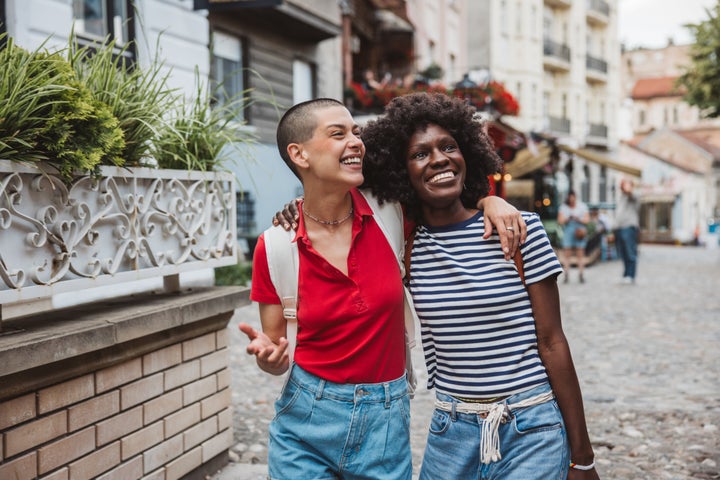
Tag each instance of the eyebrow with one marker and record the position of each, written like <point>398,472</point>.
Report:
<point>341,126</point>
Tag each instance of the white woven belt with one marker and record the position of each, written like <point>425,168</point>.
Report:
<point>497,413</point>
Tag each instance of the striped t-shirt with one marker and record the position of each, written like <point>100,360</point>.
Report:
<point>478,331</point>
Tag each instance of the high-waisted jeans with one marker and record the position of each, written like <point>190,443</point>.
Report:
<point>533,443</point>
<point>326,430</point>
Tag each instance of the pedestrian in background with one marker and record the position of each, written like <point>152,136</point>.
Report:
<point>574,217</point>
<point>627,229</point>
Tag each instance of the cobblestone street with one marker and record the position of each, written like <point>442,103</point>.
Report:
<point>648,358</point>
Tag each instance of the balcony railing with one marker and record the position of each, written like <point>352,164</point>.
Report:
<point>597,64</point>
<point>560,125</point>
<point>556,49</point>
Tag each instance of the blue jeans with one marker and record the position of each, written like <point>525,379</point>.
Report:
<point>533,444</point>
<point>626,241</point>
<point>326,430</point>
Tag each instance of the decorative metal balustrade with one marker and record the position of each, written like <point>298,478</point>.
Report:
<point>119,226</point>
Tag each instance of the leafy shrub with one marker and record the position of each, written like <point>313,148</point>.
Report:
<point>46,113</point>
<point>198,135</point>
<point>239,274</point>
<point>138,97</point>
<point>78,108</point>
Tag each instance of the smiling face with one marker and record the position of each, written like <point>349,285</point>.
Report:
<point>335,151</point>
<point>436,168</point>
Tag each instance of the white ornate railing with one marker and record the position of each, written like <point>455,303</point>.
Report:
<point>125,224</point>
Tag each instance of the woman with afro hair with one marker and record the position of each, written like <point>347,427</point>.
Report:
<point>508,402</point>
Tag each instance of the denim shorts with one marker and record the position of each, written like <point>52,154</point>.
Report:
<point>533,444</point>
<point>568,238</point>
<point>325,430</point>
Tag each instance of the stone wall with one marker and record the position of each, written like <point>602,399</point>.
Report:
<point>131,388</point>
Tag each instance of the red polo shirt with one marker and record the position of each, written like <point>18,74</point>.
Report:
<point>350,328</point>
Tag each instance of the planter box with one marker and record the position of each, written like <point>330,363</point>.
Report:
<point>124,225</point>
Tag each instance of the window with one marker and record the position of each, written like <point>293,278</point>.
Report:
<point>228,73</point>
<point>98,20</point>
<point>303,81</point>
<point>245,204</point>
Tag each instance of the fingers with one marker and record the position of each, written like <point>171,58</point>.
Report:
<point>288,217</point>
<point>248,330</point>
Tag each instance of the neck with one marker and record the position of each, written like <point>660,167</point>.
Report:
<point>328,210</point>
<point>439,217</point>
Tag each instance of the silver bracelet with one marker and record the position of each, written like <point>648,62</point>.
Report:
<point>582,467</point>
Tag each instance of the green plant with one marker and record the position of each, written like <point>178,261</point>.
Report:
<point>238,274</point>
<point>138,97</point>
<point>198,135</point>
<point>46,113</point>
<point>433,72</point>
<point>79,108</point>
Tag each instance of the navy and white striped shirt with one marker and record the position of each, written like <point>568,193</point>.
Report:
<point>477,326</point>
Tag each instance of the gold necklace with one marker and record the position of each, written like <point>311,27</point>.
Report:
<point>328,222</point>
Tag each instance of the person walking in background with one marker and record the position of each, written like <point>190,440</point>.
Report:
<point>627,229</point>
<point>508,401</point>
<point>574,217</point>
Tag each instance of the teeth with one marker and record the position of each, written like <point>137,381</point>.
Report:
<point>351,161</point>
<point>441,176</point>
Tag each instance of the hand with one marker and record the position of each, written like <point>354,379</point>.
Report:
<point>270,357</point>
<point>289,216</point>
<point>507,220</point>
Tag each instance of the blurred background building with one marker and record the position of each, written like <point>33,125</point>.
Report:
<point>568,109</point>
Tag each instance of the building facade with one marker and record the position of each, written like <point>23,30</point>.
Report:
<point>678,149</point>
<point>561,59</point>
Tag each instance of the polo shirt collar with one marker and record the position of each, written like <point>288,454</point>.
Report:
<point>360,208</point>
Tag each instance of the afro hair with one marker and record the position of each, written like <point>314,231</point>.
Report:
<point>387,139</point>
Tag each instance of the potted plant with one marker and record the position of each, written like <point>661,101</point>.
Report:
<point>106,173</point>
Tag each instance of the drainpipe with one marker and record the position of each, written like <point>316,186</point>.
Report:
<point>346,10</point>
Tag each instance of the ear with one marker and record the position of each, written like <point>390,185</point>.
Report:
<point>298,155</point>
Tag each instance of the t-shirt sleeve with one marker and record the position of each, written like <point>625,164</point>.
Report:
<point>262,289</point>
<point>539,258</point>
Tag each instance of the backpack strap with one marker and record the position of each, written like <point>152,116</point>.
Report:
<point>283,264</point>
<point>389,218</point>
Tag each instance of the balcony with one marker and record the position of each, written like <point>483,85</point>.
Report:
<point>558,3</point>
<point>556,56</point>
<point>596,69</point>
<point>559,125</point>
<point>598,12</point>
<point>597,135</point>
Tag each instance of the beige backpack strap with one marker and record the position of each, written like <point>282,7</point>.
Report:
<point>283,264</point>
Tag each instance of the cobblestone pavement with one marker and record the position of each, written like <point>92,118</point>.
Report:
<point>648,358</point>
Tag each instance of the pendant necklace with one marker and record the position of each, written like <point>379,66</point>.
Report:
<point>328,222</point>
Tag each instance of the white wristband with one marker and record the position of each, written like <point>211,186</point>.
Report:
<point>582,467</point>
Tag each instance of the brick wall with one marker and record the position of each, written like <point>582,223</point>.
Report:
<point>157,406</point>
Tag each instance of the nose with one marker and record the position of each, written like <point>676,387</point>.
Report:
<point>356,141</point>
<point>438,158</point>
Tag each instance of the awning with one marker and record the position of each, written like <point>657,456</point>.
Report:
<point>602,160</point>
<point>390,22</point>
<point>526,162</point>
